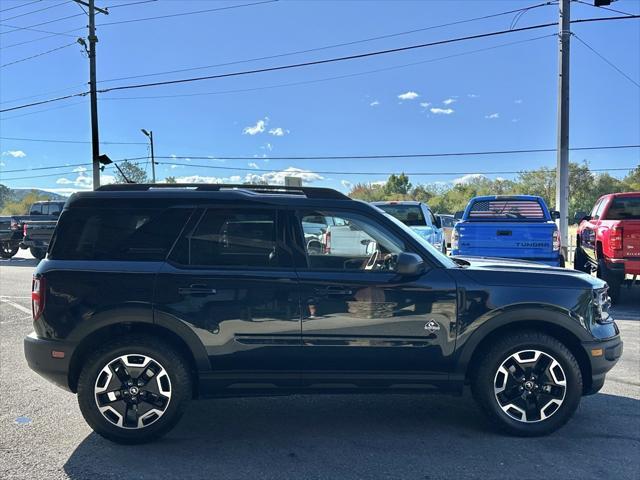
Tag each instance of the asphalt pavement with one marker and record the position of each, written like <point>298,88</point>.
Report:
<point>43,435</point>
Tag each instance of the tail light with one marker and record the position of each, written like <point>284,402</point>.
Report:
<point>615,240</point>
<point>455,237</point>
<point>327,242</point>
<point>556,241</point>
<point>38,292</point>
<point>24,230</point>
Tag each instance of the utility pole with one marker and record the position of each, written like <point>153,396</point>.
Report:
<point>153,158</point>
<point>93,39</point>
<point>562,173</point>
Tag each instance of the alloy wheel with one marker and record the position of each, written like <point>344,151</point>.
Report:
<point>530,386</point>
<point>133,391</point>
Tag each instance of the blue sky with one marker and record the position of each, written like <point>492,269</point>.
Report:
<point>494,99</point>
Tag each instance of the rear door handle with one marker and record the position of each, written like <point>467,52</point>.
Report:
<point>197,289</point>
<point>333,291</point>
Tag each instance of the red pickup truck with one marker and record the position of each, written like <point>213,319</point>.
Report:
<point>609,239</point>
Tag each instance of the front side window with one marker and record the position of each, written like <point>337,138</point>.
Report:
<point>349,242</point>
<point>231,238</point>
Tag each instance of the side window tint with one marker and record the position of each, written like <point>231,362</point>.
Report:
<point>599,210</point>
<point>117,234</point>
<point>233,238</point>
<point>55,208</point>
<point>351,242</point>
<point>36,209</point>
<point>594,212</point>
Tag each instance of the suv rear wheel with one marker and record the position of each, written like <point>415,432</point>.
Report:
<point>134,390</point>
<point>7,251</point>
<point>528,384</point>
<point>613,279</point>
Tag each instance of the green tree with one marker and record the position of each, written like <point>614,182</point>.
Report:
<point>21,207</point>
<point>632,181</point>
<point>170,180</point>
<point>132,171</point>
<point>397,185</point>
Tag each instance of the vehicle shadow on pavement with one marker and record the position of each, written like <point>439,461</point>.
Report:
<point>629,303</point>
<point>20,262</point>
<point>376,436</point>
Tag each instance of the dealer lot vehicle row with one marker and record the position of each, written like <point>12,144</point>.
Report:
<point>152,295</point>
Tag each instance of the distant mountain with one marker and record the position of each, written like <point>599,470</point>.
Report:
<point>17,194</point>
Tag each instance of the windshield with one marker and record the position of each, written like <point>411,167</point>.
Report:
<point>408,214</point>
<point>624,208</point>
<point>446,261</point>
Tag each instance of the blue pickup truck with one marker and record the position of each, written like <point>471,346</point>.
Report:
<point>508,226</point>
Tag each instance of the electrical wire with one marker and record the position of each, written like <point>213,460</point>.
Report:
<point>74,104</point>
<point>36,11</point>
<point>16,29</point>
<point>602,7</point>
<point>42,102</point>
<point>38,55</point>
<point>326,47</point>
<point>120,22</point>
<point>337,77</point>
<point>66,33</point>
<point>49,140</point>
<point>611,64</point>
<point>19,6</point>
<point>52,34</point>
<point>129,4</point>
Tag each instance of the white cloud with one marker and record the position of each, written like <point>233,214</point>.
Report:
<point>176,166</point>
<point>518,101</point>
<point>442,111</point>
<point>375,103</point>
<point>472,95</point>
<point>492,116</point>
<point>515,120</point>
<point>408,95</point>
<point>253,165</point>
<point>267,146</point>
<point>14,154</point>
<point>79,169</point>
<point>278,132</point>
<point>346,184</point>
<point>259,127</point>
<point>64,181</point>
<point>449,101</point>
<point>467,178</point>
<point>272,178</point>
<point>378,183</point>
<point>425,104</point>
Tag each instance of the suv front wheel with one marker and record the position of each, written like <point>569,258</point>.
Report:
<point>134,390</point>
<point>528,384</point>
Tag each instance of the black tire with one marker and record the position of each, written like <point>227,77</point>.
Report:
<point>581,261</point>
<point>563,263</point>
<point>487,375</point>
<point>444,247</point>
<point>613,279</point>
<point>38,253</point>
<point>7,250</point>
<point>179,388</point>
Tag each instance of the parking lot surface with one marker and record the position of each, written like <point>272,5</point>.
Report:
<point>43,435</point>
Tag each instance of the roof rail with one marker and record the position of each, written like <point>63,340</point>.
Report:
<point>309,192</point>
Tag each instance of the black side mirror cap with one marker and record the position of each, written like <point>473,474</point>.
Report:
<point>580,216</point>
<point>555,215</point>
<point>409,264</point>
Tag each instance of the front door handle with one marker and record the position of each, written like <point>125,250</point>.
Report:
<point>197,289</point>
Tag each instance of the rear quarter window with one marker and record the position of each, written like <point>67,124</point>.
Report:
<point>506,210</point>
<point>117,234</point>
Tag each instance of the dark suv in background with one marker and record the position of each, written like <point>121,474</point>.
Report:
<point>152,295</point>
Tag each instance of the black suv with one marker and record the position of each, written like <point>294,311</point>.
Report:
<point>152,295</point>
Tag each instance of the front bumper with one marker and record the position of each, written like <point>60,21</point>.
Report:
<point>603,355</point>
<point>40,358</point>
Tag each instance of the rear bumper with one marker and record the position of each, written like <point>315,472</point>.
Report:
<point>38,352</point>
<point>29,242</point>
<point>556,261</point>
<point>603,355</point>
<point>623,266</point>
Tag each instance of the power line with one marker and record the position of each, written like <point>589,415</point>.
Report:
<point>402,155</point>
<point>611,64</point>
<point>39,54</point>
<point>602,7</point>
<point>336,77</point>
<point>66,33</point>
<point>129,4</point>
<point>318,62</point>
<point>119,22</point>
<point>48,140</point>
<point>3,119</point>
<point>326,47</point>
<point>51,34</point>
<point>41,23</point>
<point>35,11</point>
<point>69,165</point>
<point>19,6</point>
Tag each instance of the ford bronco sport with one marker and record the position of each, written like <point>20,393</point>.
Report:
<point>152,295</point>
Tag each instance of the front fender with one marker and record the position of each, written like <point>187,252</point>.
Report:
<point>468,341</point>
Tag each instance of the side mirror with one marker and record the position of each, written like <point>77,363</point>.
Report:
<point>409,264</point>
<point>555,215</point>
<point>580,216</point>
<point>458,215</point>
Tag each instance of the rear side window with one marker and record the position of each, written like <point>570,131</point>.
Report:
<point>624,208</point>
<point>231,238</point>
<point>36,209</point>
<point>117,234</point>
<point>506,210</point>
<point>55,208</point>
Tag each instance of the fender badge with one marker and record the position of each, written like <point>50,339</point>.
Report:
<point>432,326</point>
